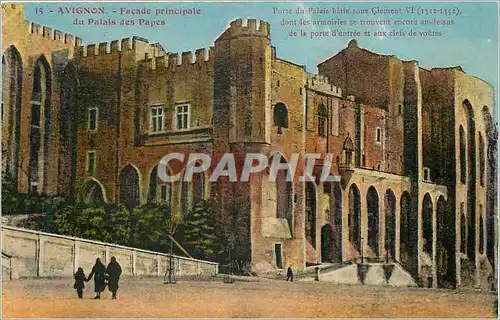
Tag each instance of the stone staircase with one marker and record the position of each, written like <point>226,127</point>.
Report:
<point>379,274</point>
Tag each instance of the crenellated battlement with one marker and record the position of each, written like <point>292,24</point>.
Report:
<point>103,48</point>
<point>52,34</point>
<point>173,61</point>
<point>246,27</point>
<point>322,83</point>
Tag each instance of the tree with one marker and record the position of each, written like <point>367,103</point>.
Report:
<point>148,227</point>
<point>10,202</point>
<point>199,232</point>
<point>117,224</point>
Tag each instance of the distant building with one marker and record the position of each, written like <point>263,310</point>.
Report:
<point>416,148</point>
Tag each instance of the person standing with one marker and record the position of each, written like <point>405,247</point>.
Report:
<point>99,273</point>
<point>114,270</point>
<point>289,274</point>
<point>79,282</point>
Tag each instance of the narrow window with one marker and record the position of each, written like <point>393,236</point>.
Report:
<point>427,174</point>
<point>322,120</point>
<point>92,121</point>
<point>182,117</point>
<point>91,163</point>
<point>163,193</point>
<point>378,135</point>
<point>156,119</point>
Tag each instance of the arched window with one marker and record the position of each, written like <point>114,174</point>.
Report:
<point>40,124</point>
<point>159,191</point>
<point>463,169</point>
<point>129,187</point>
<point>322,120</point>
<point>12,70</point>
<point>280,116</point>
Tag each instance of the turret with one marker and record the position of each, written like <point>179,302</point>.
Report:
<point>242,81</point>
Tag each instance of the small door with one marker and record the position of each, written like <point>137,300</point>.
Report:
<point>279,259</point>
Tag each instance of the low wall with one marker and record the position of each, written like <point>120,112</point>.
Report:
<point>40,254</point>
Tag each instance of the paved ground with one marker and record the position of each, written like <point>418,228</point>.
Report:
<point>153,299</point>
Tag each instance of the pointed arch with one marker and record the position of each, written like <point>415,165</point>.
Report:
<point>446,242</point>
<point>12,82</point>
<point>408,236</point>
<point>129,186</point>
<point>471,177</point>
<point>159,191</point>
<point>354,217</point>
<point>372,202</point>
<point>390,224</point>
<point>40,126</point>
<point>280,116</point>
<point>92,191</point>
<point>427,223</point>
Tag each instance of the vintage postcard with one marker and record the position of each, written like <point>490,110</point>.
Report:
<point>250,159</point>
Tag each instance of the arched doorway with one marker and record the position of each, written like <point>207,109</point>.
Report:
<point>354,217</point>
<point>446,265</point>
<point>311,213</point>
<point>327,245</point>
<point>373,220</point>
<point>12,76</point>
<point>408,234</point>
<point>129,187</point>
<point>390,225</point>
<point>39,126</point>
<point>92,193</point>
<point>427,225</point>
<point>68,127</point>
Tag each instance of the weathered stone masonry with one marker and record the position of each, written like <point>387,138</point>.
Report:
<point>415,148</point>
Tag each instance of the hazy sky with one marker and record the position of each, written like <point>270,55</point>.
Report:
<point>472,41</point>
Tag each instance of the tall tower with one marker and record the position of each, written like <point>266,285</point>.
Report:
<point>242,116</point>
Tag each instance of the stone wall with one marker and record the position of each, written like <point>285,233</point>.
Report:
<point>40,254</point>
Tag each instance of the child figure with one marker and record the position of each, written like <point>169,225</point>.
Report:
<point>79,282</point>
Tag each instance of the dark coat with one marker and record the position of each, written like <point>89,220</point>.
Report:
<point>289,272</point>
<point>99,273</point>
<point>114,271</point>
<point>79,281</point>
